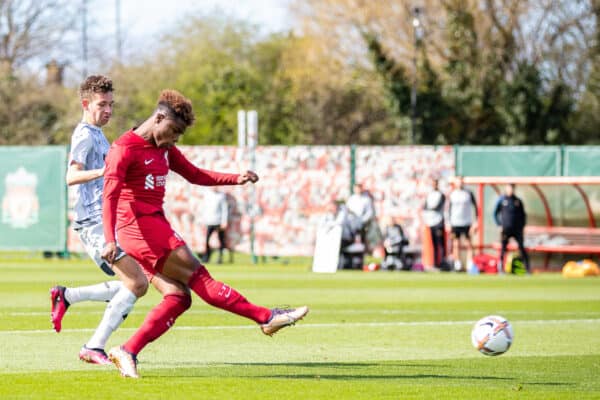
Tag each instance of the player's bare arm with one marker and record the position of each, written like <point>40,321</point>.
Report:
<point>76,174</point>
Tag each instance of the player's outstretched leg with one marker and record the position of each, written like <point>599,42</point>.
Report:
<point>280,318</point>
<point>225,297</point>
<point>62,297</point>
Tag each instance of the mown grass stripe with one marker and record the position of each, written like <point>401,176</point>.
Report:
<point>327,325</point>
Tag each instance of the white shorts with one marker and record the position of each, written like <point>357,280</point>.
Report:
<point>92,238</point>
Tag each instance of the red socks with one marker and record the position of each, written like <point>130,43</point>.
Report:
<point>163,316</point>
<point>160,319</point>
<point>220,295</point>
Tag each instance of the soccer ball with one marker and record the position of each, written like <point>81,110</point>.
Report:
<point>492,335</point>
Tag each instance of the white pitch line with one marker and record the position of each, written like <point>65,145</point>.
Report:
<point>328,311</point>
<point>328,325</point>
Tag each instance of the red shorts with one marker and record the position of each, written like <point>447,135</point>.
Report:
<point>149,240</point>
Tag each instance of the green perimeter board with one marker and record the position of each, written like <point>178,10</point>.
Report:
<point>33,198</point>
<point>508,161</point>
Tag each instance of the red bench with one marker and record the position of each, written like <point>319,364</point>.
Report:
<point>559,240</point>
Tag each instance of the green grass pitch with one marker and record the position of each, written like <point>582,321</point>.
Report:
<point>381,335</point>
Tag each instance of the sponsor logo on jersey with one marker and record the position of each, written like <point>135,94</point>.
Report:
<point>149,183</point>
<point>152,182</point>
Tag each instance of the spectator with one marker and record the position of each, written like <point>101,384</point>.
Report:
<point>216,216</point>
<point>433,216</point>
<point>509,213</point>
<point>360,203</point>
<point>462,207</point>
<point>394,241</point>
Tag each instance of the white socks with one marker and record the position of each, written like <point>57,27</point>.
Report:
<point>100,292</point>
<point>116,311</point>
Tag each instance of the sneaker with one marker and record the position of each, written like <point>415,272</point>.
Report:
<point>94,356</point>
<point>125,362</point>
<point>457,266</point>
<point>280,318</point>
<point>59,306</point>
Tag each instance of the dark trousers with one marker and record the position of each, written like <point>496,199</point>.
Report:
<point>517,234</point>
<point>438,240</point>
<point>221,234</point>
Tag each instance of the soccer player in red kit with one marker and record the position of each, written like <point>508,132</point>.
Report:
<point>137,165</point>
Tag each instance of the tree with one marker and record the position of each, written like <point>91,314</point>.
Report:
<point>32,114</point>
<point>474,55</point>
<point>586,118</point>
<point>30,29</point>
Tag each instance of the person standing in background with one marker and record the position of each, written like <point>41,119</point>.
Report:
<point>461,209</point>
<point>509,213</point>
<point>433,216</point>
<point>216,217</point>
<point>360,203</point>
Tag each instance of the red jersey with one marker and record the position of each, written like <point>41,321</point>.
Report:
<point>135,178</point>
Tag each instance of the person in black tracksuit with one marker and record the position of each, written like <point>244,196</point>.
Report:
<point>509,213</point>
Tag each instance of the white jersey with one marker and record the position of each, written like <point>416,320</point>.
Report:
<point>462,207</point>
<point>433,213</point>
<point>362,206</point>
<point>88,147</point>
<point>215,208</point>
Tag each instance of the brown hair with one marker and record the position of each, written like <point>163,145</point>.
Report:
<point>95,84</point>
<point>174,103</point>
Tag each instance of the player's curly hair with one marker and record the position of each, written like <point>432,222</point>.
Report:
<point>177,105</point>
<point>95,84</point>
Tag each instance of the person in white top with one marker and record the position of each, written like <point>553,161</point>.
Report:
<point>433,216</point>
<point>216,216</point>
<point>462,214</point>
<point>361,205</point>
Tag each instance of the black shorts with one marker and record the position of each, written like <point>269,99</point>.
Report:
<point>458,231</point>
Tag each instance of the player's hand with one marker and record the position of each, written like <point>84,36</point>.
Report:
<point>102,170</point>
<point>109,252</point>
<point>248,176</point>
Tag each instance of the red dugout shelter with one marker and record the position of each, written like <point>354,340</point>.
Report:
<point>562,214</point>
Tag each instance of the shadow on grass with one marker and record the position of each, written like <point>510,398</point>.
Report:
<point>320,371</point>
<point>330,371</point>
<point>191,364</point>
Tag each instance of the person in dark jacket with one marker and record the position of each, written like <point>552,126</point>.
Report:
<point>509,213</point>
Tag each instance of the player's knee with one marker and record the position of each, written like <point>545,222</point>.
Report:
<point>139,287</point>
<point>185,301</point>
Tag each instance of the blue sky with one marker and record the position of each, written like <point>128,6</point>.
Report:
<point>145,20</point>
<point>142,19</point>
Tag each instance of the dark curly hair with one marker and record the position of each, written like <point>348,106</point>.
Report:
<point>95,84</point>
<point>176,105</point>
